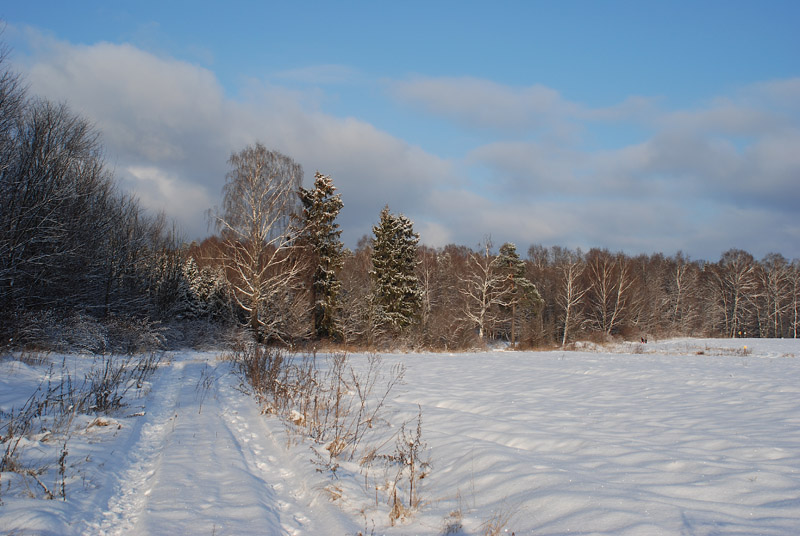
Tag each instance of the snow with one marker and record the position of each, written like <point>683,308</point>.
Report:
<point>688,436</point>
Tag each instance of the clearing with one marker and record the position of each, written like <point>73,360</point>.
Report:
<point>690,436</point>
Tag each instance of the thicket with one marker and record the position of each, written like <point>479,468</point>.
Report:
<point>70,242</point>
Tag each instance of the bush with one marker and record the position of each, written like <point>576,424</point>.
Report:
<point>337,406</point>
<point>83,333</point>
<point>334,405</point>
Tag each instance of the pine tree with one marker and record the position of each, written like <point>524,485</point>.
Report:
<point>321,236</point>
<point>518,289</point>
<point>396,289</point>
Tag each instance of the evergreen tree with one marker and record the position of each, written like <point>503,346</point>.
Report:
<point>215,293</point>
<point>203,293</point>
<point>396,289</point>
<point>190,304</point>
<point>321,236</point>
<point>518,289</point>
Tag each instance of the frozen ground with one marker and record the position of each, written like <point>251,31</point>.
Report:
<point>694,437</point>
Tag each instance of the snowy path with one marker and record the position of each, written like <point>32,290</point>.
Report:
<point>203,461</point>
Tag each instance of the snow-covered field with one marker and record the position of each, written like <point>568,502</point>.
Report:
<point>692,436</point>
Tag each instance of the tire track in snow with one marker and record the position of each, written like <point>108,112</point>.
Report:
<point>206,462</point>
<point>143,450</point>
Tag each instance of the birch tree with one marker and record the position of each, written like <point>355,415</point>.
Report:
<point>734,284</point>
<point>570,267</point>
<point>482,290</point>
<point>774,274</point>
<point>681,294</point>
<point>259,200</point>
<point>611,281</point>
<point>794,298</point>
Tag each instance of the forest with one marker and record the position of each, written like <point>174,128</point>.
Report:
<point>83,265</point>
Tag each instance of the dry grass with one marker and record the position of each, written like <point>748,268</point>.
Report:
<point>497,523</point>
<point>336,406</point>
<point>53,406</point>
<point>453,523</point>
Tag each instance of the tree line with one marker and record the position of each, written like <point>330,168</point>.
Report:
<point>69,239</point>
<point>392,291</point>
<point>72,244</point>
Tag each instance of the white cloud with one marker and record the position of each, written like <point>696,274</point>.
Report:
<point>736,154</point>
<point>635,108</point>
<point>156,189</point>
<point>168,96</point>
<point>723,116</point>
<point>169,129</point>
<point>480,103</point>
<point>151,111</point>
<point>783,94</point>
<point>434,234</point>
<point>722,174</point>
<point>531,169</point>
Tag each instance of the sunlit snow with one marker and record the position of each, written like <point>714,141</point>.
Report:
<point>690,436</point>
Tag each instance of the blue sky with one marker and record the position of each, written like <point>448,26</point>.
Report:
<point>634,126</point>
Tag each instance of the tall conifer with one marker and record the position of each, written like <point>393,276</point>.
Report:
<point>519,290</point>
<point>396,289</point>
<point>321,236</point>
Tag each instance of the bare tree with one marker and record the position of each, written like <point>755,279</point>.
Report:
<point>570,266</point>
<point>68,239</point>
<point>259,201</point>
<point>12,102</point>
<point>541,268</point>
<point>60,217</point>
<point>611,280</point>
<point>439,272</point>
<point>794,297</point>
<point>734,285</point>
<point>681,292</point>
<point>356,311</point>
<point>428,269</point>
<point>482,289</point>
<point>774,277</point>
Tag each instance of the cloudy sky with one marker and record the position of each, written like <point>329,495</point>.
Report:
<point>635,126</point>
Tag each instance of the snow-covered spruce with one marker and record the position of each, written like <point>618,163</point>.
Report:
<point>321,237</point>
<point>396,293</point>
